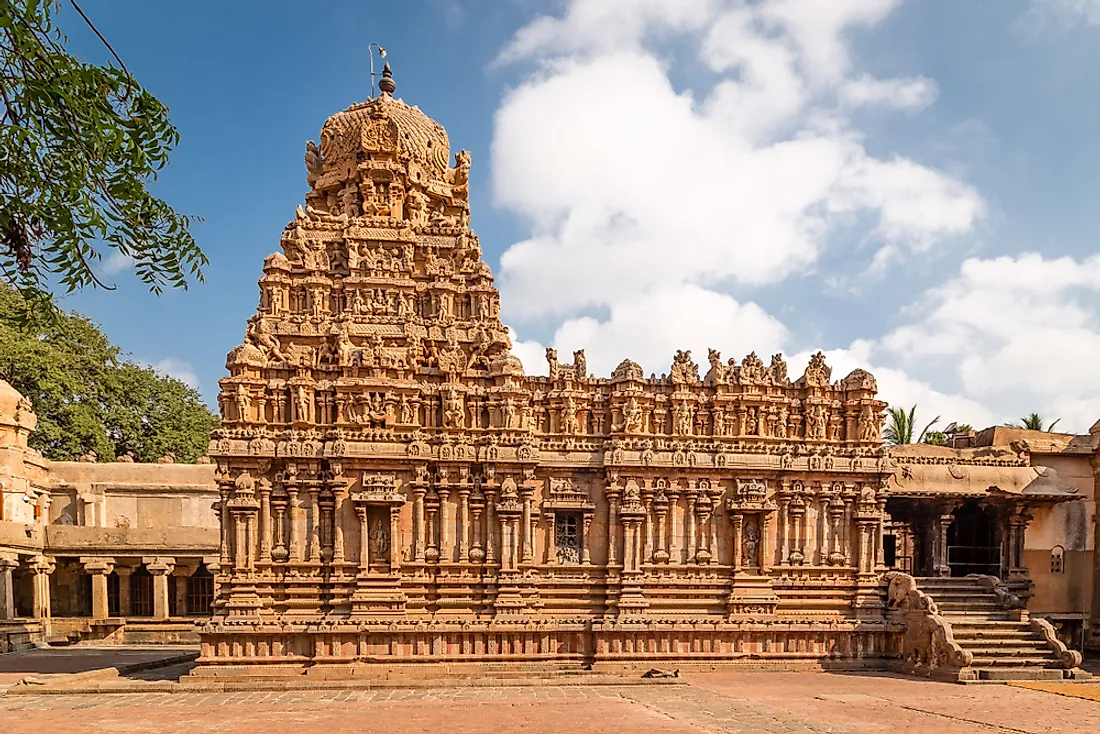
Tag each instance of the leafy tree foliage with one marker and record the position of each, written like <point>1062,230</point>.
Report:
<point>1035,422</point>
<point>88,398</point>
<point>901,427</point>
<point>80,145</point>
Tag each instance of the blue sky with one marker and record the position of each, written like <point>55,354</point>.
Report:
<point>909,185</point>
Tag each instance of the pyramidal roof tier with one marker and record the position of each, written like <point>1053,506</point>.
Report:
<point>379,321</point>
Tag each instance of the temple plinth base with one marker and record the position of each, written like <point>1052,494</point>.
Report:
<point>378,596</point>
<point>751,598</point>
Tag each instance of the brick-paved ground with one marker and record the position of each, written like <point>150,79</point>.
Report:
<point>761,703</point>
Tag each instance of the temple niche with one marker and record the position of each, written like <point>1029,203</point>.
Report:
<point>395,489</point>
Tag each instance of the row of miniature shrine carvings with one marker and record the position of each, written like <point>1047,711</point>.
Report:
<point>322,300</point>
<point>817,524</point>
<point>451,407</point>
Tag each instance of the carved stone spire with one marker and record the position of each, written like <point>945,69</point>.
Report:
<point>386,84</point>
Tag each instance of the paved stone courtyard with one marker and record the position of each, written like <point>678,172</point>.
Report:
<point>717,702</point>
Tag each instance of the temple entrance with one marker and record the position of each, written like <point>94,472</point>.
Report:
<point>973,541</point>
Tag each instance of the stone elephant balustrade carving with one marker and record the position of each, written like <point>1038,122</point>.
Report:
<point>923,639</point>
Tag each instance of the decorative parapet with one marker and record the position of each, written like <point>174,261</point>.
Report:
<point>1068,658</point>
<point>1009,602</point>
<point>927,644</point>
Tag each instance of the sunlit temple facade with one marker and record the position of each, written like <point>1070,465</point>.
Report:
<point>390,487</point>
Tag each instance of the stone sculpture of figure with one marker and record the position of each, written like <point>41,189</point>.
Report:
<point>552,362</point>
<point>718,374</point>
<point>244,403</point>
<point>379,538</point>
<point>453,410</point>
<point>302,405</point>
<point>868,426</point>
<point>719,422</point>
<point>345,350</point>
<point>314,162</point>
<point>508,413</point>
<point>257,334</point>
<point>459,176</point>
<point>750,544</point>
<point>568,418</point>
<point>778,370</point>
<point>683,420</point>
<point>632,416</point>
<point>580,364</point>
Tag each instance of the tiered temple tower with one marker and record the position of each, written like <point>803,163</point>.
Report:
<point>395,489</point>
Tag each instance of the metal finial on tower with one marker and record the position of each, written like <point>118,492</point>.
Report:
<point>386,85</point>
<point>371,48</point>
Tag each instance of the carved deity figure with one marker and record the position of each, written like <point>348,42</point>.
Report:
<point>568,416</point>
<point>684,371</point>
<point>301,404</point>
<point>683,420</point>
<point>454,411</point>
<point>632,416</point>
<point>717,374</point>
<point>580,364</point>
<point>868,426</point>
<point>750,543</point>
<point>244,403</point>
<point>259,336</point>
<point>508,413</point>
<point>778,370</point>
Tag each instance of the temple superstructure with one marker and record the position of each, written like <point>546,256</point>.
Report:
<point>395,489</point>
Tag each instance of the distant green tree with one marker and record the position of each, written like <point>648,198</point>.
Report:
<point>936,438</point>
<point>88,398</point>
<point>80,145</point>
<point>1035,422</point>
<point>963,428</point>
<point>901,426</point>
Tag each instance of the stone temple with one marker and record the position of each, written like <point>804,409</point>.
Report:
<point>390,491</point>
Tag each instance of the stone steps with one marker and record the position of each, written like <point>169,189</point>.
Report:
<point>1003,647</point>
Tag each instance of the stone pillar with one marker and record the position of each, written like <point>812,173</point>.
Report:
<point>395,538</point>
<point>675,547</point>
<point>940,566</point>
<point>418,539</point>
<point>445,550</point>
<point>8,563</point>
<point>223,509</point>
<point>295,554</point>
<point>525,521</point>
<point>551,539</point>
<point>364,539</point>
<point>690,519</point>
<point>612,528</point>
<point>490,526</point>
<point>463,523</point>
<point>42,567</point>
<point>738,523</point>
<point>339,498</point>
<point>314,526</point>
<point>124,573</point>
<point>265,522</point>
<point>160,568</point>
<point>181,593</point>
<point>586,553</point>
<point>99,569</point>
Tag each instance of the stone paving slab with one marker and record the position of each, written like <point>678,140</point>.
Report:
<point>764,703</point>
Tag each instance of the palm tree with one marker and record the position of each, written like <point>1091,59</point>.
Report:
<point>1034,422</point>
<point>901,426</point>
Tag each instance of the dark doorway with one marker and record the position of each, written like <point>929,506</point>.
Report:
<point>973,541</point>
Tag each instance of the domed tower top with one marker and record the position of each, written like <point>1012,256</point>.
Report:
<point>380,141</point>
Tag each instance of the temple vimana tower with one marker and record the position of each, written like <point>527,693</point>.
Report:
<point>395,489</point>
